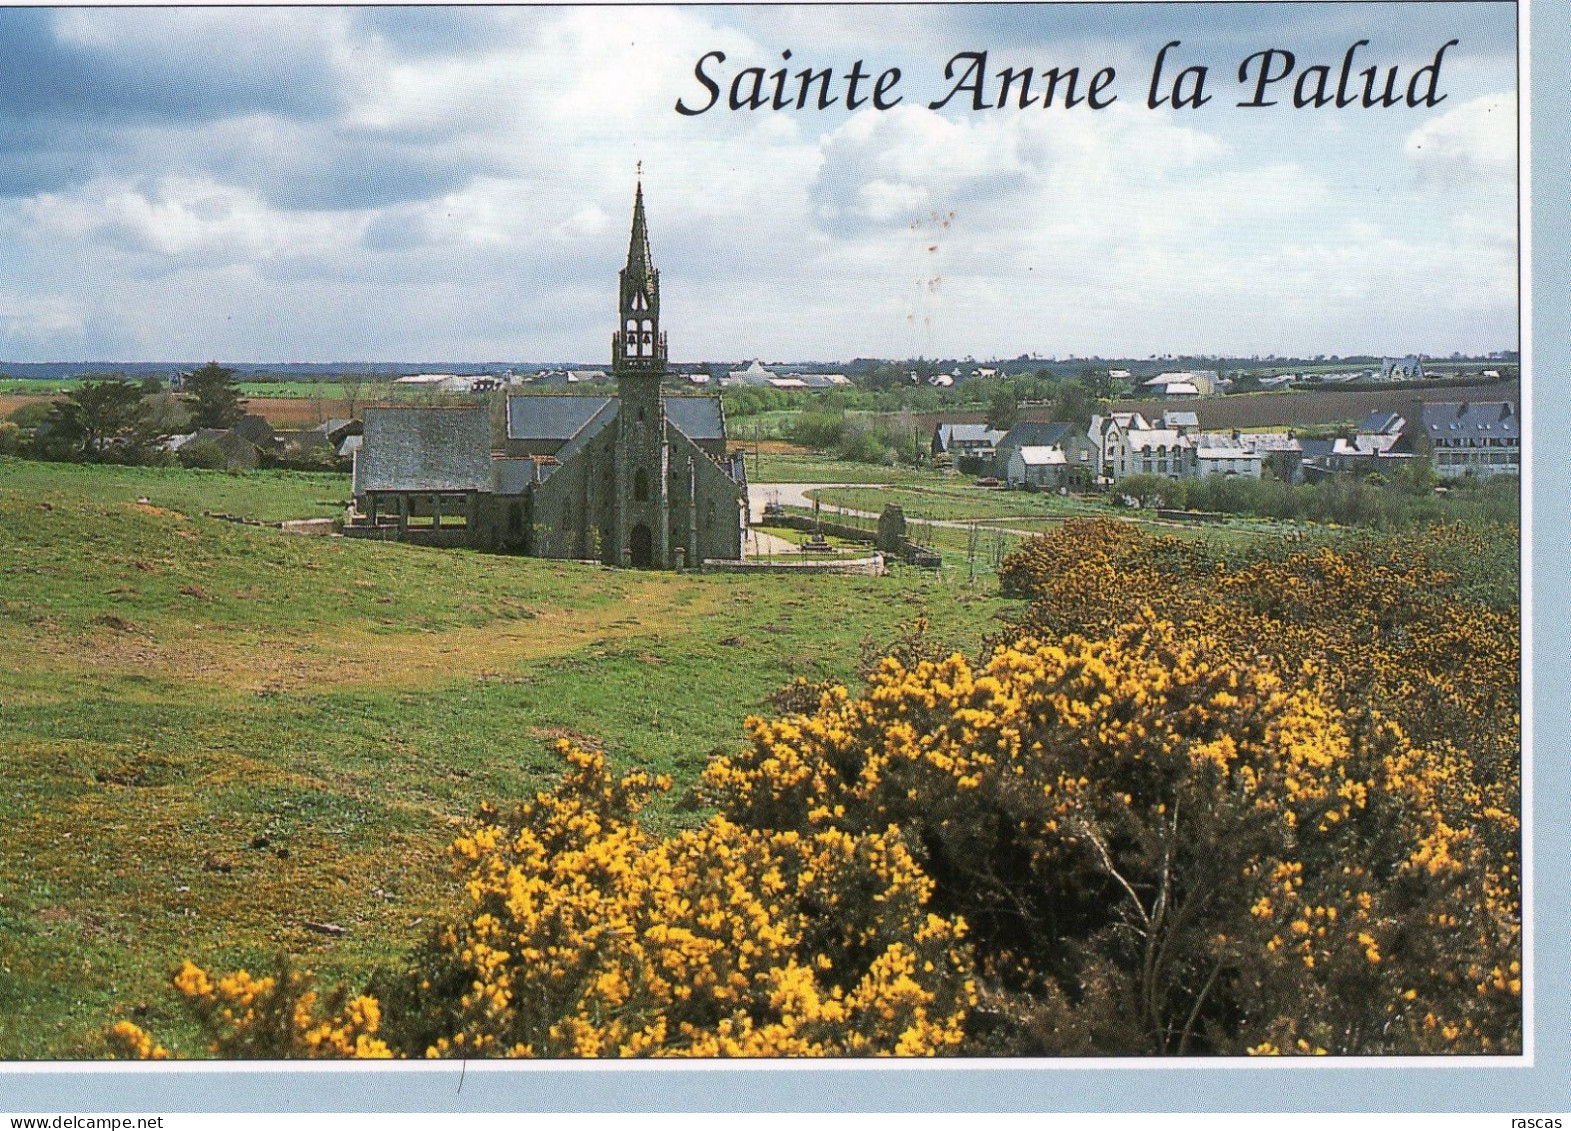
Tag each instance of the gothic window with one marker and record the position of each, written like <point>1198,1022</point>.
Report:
<point>640,486</point>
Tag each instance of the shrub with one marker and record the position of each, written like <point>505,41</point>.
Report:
<point>203,454</point>
<point>585,935</point>
<point>1160,848</point>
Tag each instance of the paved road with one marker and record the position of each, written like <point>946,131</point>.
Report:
<point>793,494</point>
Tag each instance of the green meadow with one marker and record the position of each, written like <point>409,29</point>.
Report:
<point>224,742</point>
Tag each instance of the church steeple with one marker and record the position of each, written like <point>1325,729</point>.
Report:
<point>639,344</point>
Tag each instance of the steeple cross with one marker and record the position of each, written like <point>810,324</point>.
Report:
<point>640,168</point>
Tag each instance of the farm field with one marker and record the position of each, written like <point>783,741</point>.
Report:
<point>223,742</point>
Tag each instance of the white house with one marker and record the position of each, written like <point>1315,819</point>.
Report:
<point>1225,453</point>
<point>1037,466</point>
<point>1156,451</point>
<point>1186,383</point>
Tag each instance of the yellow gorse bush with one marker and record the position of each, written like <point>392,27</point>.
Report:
<point>589,936</point>
<point>279,1015</point>
<point>1157,851</point>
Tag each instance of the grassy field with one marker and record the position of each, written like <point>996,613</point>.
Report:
<point>772,465</point>
<point>947,499</point>
<point>218,740</point>
<point>269,496</point>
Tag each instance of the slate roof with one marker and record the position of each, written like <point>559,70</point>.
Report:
<point>1380,422</point>
<point>1495,419</point>
<point>537,416</point>
<point>1032,433</point>
<point>1146,439</point>
<point>948,434</point>
<point>511,476</point>
<point>1223,445</point>
<point>1272,441</point>
<point>425,449</point>
<point>603,416</point>
<point>254,428</point>
<point>1366,444</point>
<point>698,418</point>
<point>1172,418</point>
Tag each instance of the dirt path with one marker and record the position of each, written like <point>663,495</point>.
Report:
<point>758,544</point>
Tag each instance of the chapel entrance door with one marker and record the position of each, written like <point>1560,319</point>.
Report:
<point>641,546</point>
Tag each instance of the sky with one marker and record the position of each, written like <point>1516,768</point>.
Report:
<point>383,184</point>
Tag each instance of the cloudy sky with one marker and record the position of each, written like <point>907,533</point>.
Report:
<point>330,184</point>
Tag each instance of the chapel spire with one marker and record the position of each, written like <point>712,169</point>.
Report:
<point>639,344</point>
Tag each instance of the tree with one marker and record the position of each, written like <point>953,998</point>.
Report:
<point>213,397</point>
<point>1099,381</point>
<point>95,414</point>
<point>1075,402</point>
<point>1003,409</point>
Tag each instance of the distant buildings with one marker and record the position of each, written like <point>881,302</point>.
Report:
<point>1188,383</point>
<point>975,442</point>
<point>757,375</point>
<point>1482,439</point>
<point>1401,368</point>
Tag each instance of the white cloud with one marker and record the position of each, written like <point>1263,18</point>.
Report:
<point>1472,143</point>
<point>181,218</point>
<point>471,199</point>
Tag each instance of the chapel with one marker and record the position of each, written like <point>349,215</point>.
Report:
<point>640,478</point>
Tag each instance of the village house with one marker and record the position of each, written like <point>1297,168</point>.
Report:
<point>1167,452</point>
<point>1187,383</point>
<point>1225,453</point>
<point>634,479</point>
<point>974,444</point>
<point>1481,439</point>
<point>1039,468</point>
<point>1281,453</point>
<point>1074,445</point>
<point>1108,435</point>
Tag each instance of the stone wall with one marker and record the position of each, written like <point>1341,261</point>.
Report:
<point>872,566</point>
